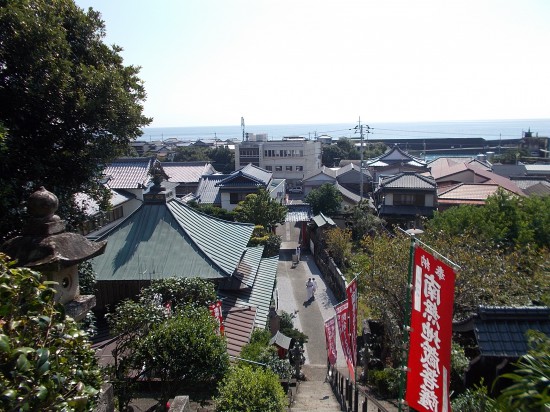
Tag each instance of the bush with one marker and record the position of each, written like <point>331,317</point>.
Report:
<point>473,400</point>
<point>250,389</point>
<point>287,328</point>
<point>386,382</point>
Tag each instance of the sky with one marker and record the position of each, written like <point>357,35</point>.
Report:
<point>211,62</point>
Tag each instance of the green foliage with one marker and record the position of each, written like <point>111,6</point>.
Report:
<point>247,389</point>
<point>339,244</point>
<point>180,291</point>
<point>222,158</point>
<point>86,278</point>
<point>287,328</point>
<point>261,209</point>
<point>386,381</point>
<point>326,199</point>
<point>473,399</point>
<point>68,103</point>
<point>530,388</point>
<point>270,241</point>
<point>505,221</point>
<point>459,364</point>
<point>138,324</point>
<point>212,210</point>
<point>46,361</point>
<point>363,221</point>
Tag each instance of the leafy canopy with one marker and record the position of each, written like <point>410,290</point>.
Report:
<point>261,209</point>
<point>46,361</point>
<point>326,199</point>
<point>67,102</point>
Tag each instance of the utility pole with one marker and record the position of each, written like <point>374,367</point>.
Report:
<point>359,128</point>
<point>242,126</point>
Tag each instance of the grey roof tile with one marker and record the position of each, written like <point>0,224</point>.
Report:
<point>129,173</point>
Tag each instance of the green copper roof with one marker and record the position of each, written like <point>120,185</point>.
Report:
<point>167,239</point>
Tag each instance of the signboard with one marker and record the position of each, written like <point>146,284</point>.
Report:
<point>351,292</point>
<point>342,320</point>
<point>330,336</point>
<point>216,311</point>
<point>429,363</point>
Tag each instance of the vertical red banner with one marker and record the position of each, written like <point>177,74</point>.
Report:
<point>330,336</point>
<point>216,311</point>
<point>342,320</point>
<point>429,365</point>
<point>351,292</point>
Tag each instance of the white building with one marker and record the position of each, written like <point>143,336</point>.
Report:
<point>290,158</point>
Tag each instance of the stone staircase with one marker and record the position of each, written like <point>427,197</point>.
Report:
<point>314,394</point>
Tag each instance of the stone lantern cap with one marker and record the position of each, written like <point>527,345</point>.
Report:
<point>44,244</point>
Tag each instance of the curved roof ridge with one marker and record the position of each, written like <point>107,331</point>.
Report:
<point>224,243</point>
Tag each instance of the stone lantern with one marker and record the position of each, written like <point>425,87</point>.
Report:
<point>44,246</point>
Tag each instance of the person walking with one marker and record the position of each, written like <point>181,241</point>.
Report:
<point>314,287</point>
<point>309,287</point>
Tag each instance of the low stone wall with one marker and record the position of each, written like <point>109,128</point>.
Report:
<point>332,275</point>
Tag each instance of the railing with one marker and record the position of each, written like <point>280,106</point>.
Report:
<point>351,397</point>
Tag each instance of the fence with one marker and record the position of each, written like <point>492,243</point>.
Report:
<point>351,397</point>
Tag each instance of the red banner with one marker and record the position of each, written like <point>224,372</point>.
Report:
<point>216,312</point>
<point>351,292</point>
<point>342,320</point>
<point>429,365</point>
<point>330,336</point>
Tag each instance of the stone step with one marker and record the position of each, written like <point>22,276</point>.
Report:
<point>315,396</point>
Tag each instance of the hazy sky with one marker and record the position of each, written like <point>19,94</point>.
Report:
<point>209,62</point>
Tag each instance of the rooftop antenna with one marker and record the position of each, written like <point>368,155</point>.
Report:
<point>242,126</point>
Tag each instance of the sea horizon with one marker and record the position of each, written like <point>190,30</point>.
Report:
<point>487,129</point>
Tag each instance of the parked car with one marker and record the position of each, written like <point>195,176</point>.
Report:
<point>297,189</point>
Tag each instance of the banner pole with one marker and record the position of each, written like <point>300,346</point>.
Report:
<point>406,324</point>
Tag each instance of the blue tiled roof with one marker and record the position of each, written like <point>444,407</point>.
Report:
<point>163,240</point>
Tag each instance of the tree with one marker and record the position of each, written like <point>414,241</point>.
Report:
<point>364,222</point>
<point>261,209</point>
<point>326,199</point>
<point>270,241</point>
<point>332,155</point>
<point>134,322</point>
<point>339,244</point>
<point>67,102</point>
<point>223,159</point>
<point>46,361</point>
<point>250,389</point>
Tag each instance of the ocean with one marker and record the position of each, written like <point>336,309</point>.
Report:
<point>487,129</point>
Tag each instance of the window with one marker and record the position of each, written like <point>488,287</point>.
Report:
<point>299,168</point>
<point>289,168</point>
<point>269,168</point>
<point>278,168</point>
<point>408,199</point>
<point>235,198</point>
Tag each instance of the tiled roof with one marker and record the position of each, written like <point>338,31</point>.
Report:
<point>509,170</point>
<point>262,292</point>
<point>224,242</point>
<point>187,172</point>
<point>163,240</point>
<point>396,155</point>
<point>501,331</point>
<point>322,220</point>
<point>298,213</point>
<point>129,173</point>
<point>348,194</point>
<point>281,340</point>
<point>239,322</point>
<point>408,180</point>
<point>249,175</point>
<point>208,191</point>
<point>539,189</point>
<point>331,172</point>
<point>352,167</point>
<point>468,191</point>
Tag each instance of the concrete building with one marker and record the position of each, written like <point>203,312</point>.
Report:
<point>290,158</point>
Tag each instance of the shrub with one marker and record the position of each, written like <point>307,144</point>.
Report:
<point>386,381</point>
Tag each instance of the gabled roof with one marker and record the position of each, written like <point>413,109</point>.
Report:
<point>298,213</point>
<point>129,173</point>
<point>348,194</point>
<point>239,322</point>
<point>396,155</point>
<point>187,172</point>
<point>444,166</point>
<point>208,191</point>
<point>322,220</point>
<point>501,331</point>
<point>249,175</point>
<point>409,180</point>
<point>166,239</point>
<point>541,188</point>
<point>260,295</point>
<point>327,171</point>
<point>470,193</point>
<point>352,168</point>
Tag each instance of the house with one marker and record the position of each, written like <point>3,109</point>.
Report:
<point>290,158</point>
<point>406,197</point>
<point>499,338</point>
<point>227,190</point>
<point>187,175</point>
<point>393,162</point>
<point>348,177</point>
<point>164,238</point>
